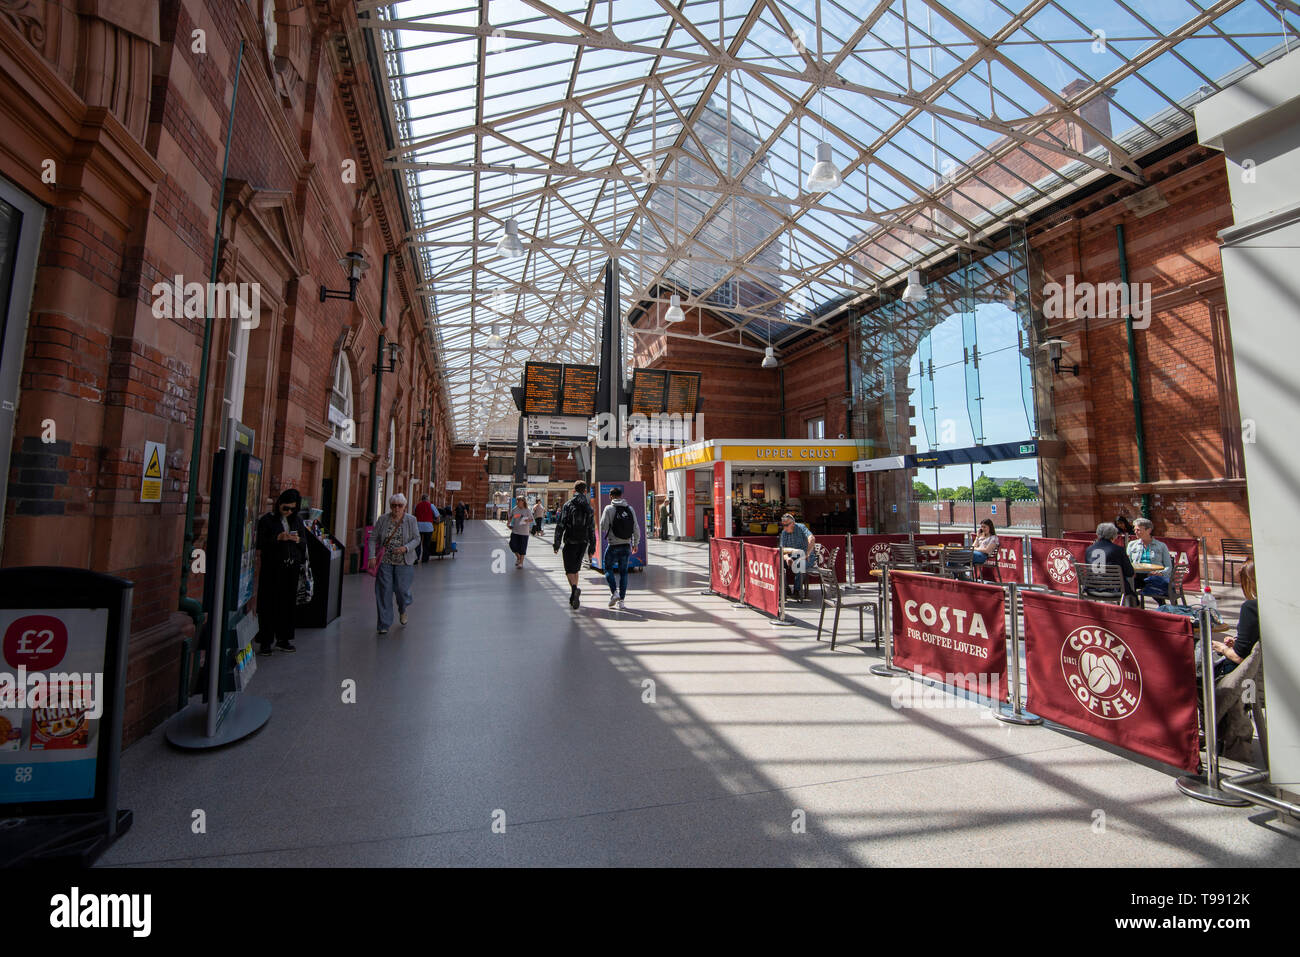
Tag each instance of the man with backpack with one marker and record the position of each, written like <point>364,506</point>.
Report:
<point>621,533</point>
<point>575,532</point>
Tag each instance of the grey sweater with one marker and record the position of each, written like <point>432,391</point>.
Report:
<point>607,520</point>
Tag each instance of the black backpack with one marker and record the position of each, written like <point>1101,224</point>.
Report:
<point>577,521</point>
<point>623,524</point>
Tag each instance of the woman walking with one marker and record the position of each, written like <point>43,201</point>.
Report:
<point>521,520</point>
<point>281,539</point>
<point>398,534</point>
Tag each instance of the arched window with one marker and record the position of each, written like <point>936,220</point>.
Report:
<point>341,402</point>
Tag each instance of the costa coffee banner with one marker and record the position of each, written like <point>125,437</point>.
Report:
<point>955,628</point>
<point>1187,552</point>
<point>1011,559</point>
<point>763,578</point>
<point>868,552</point>
<point>1052,561</point>
<point>1123,675</point>
<point>725,567</point>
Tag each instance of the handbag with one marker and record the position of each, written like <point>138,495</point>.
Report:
<point>372,568</point>
<point>306,585</point>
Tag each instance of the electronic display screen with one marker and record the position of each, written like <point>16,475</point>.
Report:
<point>542,382</point>
<point>648,389</point>
<point>579,395</point>
<point>683,393</point>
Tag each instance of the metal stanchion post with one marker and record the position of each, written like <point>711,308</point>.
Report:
<point>740,599</point>
<point>887,670</point>
<point>1017,714</point>
<point>780,620</point>
<point>1024,558</point>
<point>1205,786</point>
<point>1202,563</point>
<point>709,590</point>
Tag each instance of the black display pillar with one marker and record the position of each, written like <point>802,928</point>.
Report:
<point>612,463</point>
<point>521,458</point>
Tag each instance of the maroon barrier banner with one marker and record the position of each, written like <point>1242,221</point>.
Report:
<point>1123,675</point>
<point>762,578</point>
<point>952,627</point>
<point>725,573</point>
<point>1187,552</point>
<point>868,552</point>
<point>941,538</point>
<point>1052,560</point>
<point>1011,559</point>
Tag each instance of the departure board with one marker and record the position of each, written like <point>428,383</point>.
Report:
<point>683,392</point>
<point>542,382</point>
<point>579,396</point>
<point>648,386</point>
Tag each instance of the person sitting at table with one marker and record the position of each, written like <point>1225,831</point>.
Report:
<point>1237,649</point>
<point>1147,550</point>
<point>1124,525</point>
<point>1104,552</point>
<point>985,545</point>
<point>796,545</point>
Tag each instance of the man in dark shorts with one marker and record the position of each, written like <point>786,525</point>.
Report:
<point>575,532</point>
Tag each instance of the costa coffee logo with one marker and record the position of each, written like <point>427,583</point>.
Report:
<point>725,568</point>
<point>761,569</point>
<point>960,620</point>
<point>1101,672</point>
<point>1060,566</point>
<point>879,553</point>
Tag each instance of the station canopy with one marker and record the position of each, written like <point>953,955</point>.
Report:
<point>679,139</point>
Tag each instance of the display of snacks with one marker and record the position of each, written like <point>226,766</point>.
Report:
<point>11,730</point>
<point>59,728</point>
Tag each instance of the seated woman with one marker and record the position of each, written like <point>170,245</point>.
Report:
<point>1236,650</point>
<point>1146,550</point>
<point>1124,525</point>
<point>986,543</point>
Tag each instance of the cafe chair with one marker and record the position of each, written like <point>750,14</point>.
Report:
<point>1235,552</point>
<point>1175,595</point>
<point>958,563</point>
<point>1235,716</point>
<point>902,557</point>
<point>843,596</point>
<point>1105,586</point>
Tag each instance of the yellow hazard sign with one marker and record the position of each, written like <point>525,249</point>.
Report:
<point>151,481</point>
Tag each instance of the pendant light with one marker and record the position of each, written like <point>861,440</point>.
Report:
<point>495,338</point>
<point>769,359</point>
<point>824,176</point>
<point>915,291</point>
<point>674,313</point>
<point>510,247</point>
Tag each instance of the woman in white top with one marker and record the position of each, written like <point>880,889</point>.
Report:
<point>985,545</point>
<point>520,521</point>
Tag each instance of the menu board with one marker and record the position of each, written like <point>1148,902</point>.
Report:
<point>579,396</point>
<point>542,382</point>
<point>683,392</point>
<point>648,388</point>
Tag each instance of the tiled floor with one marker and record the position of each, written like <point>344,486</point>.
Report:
<point>501,728</point>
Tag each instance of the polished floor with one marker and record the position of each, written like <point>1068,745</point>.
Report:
<point>499,727</point>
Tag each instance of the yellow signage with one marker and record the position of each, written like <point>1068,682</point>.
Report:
<point>692,455</point>
<point>151,479</point>
<point>792,453</point>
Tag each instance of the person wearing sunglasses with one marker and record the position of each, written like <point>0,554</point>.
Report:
<point>398,533</point>
<point>282,541</point>
<point>796,545</point>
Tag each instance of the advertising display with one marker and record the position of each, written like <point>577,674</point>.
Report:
<point>955,628</point>
<point>634,496</point>
<point>49,733</point>
<point>1052,561</point>
<point>690,504</point>
<point>763,573</point>
<point>1123,675</point>
<point>794,484</point>
<point>725,567</point>
<point>868,552</point>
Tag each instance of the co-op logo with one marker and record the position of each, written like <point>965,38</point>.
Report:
<point>1101,672</point>
<point>1060,566</point>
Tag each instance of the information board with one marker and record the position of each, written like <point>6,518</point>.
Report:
<point>542,383</point>
<point>648,391</point>
<point>683,393</point>
<point>579,395</point>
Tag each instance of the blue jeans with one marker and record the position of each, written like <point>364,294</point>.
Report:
<point>978,558</point>
<point>392,580</point>
<point>616,560</point>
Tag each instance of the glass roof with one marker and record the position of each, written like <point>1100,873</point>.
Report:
<point>679,137</point>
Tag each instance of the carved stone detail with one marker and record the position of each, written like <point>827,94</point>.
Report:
<point>28,16</point>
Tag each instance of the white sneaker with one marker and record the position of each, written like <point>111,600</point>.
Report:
<point>402,618</point>
<point>613,600</point>
<point>621,606</point>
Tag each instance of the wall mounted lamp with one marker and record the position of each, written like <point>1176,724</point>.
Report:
<point>354,264</point>
<point>1054,347</point>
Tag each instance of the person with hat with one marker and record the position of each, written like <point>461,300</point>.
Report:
<point>282,542</point>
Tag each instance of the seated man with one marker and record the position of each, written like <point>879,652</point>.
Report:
<point>796,545</point>
<point>1146,550</point>
<point>1104,552</point>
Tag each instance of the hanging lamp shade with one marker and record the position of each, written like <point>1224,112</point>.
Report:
<point>674,313</point>
<point>915,291</point>
<point>495,338</point>
<point>510,247</point>
<point>769,359</point>
<point>823,176</point>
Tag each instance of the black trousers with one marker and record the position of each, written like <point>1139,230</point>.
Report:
<point>277,606</point>
<point>426,546</point>
<point>460,525</point>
